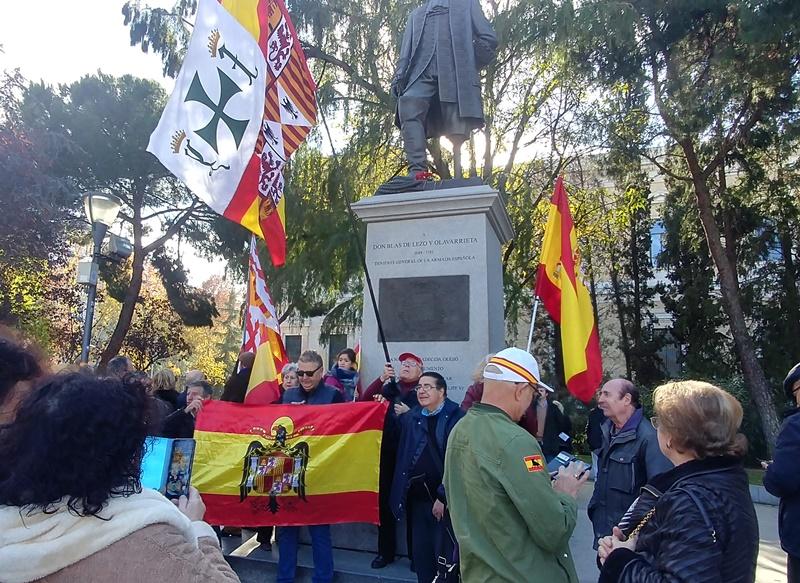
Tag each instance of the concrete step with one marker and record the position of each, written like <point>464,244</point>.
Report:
<point>255,565</point>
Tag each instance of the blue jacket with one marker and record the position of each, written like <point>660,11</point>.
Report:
<point>321,395</point>
<point>413,440</point>
<point>783,480</point>
<point>626,462</point>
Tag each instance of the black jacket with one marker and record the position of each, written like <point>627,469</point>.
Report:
<point>783,480</point>
<point>236,387</point>
<point>165,405</point>
<point>179,424</point>
<point>555,423</point>
<point>704,529</point>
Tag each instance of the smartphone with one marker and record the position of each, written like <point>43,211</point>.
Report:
<point>179,474</point>
<point>563,459</point>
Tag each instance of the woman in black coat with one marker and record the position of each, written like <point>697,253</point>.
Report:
<point>700,525</point>
<point>783,477</point>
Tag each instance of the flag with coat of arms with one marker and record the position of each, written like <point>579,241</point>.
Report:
<point>243,102</point>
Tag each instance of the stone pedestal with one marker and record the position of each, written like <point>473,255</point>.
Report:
<point>435,264</point>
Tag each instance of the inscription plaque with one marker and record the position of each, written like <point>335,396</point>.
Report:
<point>425,309</point>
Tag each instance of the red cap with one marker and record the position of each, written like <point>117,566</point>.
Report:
<point>411,356</point>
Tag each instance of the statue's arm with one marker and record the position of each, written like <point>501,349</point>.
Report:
<point>484,37</point>
<point>403,58</point>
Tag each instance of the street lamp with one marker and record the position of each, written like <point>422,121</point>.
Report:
<point>101,210</point>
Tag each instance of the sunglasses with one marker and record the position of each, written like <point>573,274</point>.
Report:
<point>308,373</point>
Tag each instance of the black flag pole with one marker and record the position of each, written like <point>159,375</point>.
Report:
<point>362,257</point>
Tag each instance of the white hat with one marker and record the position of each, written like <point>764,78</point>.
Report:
<point>516,366</point>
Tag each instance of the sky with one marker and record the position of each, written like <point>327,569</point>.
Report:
<point>59,42</point>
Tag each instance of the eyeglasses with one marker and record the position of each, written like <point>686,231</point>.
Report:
<point>308,373</point>
<point>654,422</point>
<point>409,362</point>
<point>425,388</point>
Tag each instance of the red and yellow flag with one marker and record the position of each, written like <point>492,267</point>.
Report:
<point>290,111</point>
<point>566,298</point>
<point>262,336</point>
<point>288,465</point>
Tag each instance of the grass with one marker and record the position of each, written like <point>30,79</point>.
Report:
<point>755,476</point>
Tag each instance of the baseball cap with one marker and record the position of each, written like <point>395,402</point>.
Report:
<point>411,356</point>
<point>516,366</point>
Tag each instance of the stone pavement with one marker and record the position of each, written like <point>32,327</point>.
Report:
<point>353,566</point>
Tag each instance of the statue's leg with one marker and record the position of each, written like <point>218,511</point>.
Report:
<point>457,143</point>
<point>412,108</point>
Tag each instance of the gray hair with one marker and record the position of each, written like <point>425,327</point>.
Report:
<point>311,357</point>
<point>289,367</point>
<point>119,366</point>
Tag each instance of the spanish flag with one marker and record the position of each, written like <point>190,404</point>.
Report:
<point>566,298</point>
<point>288,465</point>
<point>290,111</point>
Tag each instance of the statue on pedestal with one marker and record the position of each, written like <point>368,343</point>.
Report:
<point>436,81</point>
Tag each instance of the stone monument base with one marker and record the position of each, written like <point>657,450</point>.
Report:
<point>435,262</point>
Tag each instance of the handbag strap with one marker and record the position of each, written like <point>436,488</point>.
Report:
<point>642,522</point>
<point>702,510</point>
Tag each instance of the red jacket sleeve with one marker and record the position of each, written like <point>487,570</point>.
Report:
<point>373,389</point>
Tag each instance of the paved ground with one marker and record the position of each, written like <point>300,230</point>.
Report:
<point>354,566</point>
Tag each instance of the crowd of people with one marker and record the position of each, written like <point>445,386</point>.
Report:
<point>470,480</point>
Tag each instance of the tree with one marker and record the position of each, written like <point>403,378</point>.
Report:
<point>716,72</point>
<point>698,320</point>
<point>628,224</point>
<point>35,225</point>
<point>156,332</point>
<point>108,121</point>
<point>214,350</point>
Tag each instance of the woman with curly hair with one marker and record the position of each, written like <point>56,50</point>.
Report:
<point>699,523</point>
<point>72,507</point>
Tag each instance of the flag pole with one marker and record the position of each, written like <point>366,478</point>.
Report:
<point>361,255</point>
<point>533,323</point>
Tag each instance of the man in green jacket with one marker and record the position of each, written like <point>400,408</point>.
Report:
<point>511,523</point>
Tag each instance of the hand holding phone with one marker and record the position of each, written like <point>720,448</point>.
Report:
<point>192,505</point>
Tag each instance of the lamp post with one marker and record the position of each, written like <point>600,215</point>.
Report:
<point>101,210</point>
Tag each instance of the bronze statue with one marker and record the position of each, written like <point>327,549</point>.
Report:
<point>436,81</point>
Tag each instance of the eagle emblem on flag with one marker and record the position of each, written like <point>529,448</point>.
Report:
<point>277,468</point>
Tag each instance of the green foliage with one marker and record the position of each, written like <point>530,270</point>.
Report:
<point>698,322</point>
<point>194,306</point>
<point>214,350</point>
<point>751,422</point>
<point>155,334</point>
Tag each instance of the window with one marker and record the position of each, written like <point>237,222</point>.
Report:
<point>657,233</point>
<point>294,346</point>
<point>336,342</point>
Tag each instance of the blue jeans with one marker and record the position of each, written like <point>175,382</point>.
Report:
<point>321,548</point>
